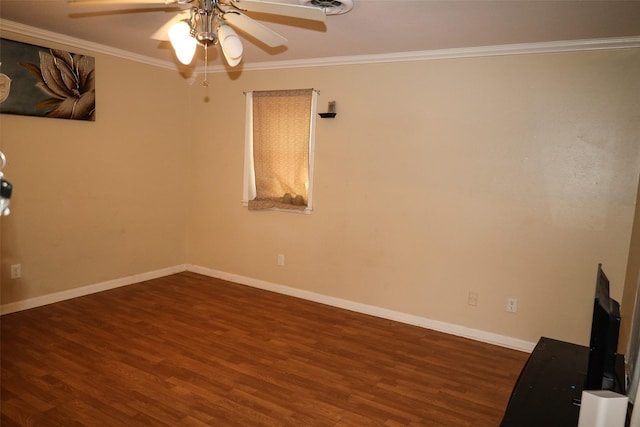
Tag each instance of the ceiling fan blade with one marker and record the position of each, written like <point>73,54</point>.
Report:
<point>162,33</point>
<point>292,10</point>
<point>255,29</point>
<point>110,2</point>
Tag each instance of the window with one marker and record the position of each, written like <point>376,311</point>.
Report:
<point>279,142</point>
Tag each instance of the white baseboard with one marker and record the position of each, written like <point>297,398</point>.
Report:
<point>87,290</point>
<point>449,328</point>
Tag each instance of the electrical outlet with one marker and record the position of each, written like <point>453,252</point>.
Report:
<point>512,305</point>
<point>16,271</point>
<point>473,298</point>
<point>280,260</point>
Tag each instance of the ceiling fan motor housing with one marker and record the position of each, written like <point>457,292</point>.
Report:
<point>330,7</point>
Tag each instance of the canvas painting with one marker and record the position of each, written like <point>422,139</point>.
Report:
<point>37,81</point>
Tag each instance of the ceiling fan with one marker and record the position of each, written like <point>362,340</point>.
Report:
<point>208,22</point>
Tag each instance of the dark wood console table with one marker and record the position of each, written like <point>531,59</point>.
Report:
<point>549,384</point>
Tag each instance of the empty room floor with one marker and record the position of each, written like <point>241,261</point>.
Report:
<point>190,350</point>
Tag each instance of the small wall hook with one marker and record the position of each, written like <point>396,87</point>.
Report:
<point>332,111</point>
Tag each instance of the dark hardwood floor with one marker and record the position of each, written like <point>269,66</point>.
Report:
<point>188,350</point>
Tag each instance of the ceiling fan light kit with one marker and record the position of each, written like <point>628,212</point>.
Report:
<point>205,23</point>
<point>230,44</point>
<point>183,44</point>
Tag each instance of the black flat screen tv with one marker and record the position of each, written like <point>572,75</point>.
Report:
<point>603,344</point>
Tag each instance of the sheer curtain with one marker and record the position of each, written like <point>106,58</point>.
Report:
<point>279,141</point>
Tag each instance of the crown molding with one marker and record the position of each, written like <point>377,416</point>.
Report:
<point>26,30</point>
<point>467,52</point>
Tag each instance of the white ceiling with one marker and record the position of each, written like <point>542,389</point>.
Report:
<point>373,27</point>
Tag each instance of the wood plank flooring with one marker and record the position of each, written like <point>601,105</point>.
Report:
<point>188,350</point>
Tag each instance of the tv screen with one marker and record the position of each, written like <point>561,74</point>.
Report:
<point>603,344</point>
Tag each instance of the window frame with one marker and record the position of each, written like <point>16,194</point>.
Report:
<point>249,180</point>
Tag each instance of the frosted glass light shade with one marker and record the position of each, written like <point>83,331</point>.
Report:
<point>230,44</point>
<point>182,42</point>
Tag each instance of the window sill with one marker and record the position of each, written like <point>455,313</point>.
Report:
<point>305,211</point>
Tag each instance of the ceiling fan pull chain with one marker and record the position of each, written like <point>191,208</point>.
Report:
<point>205,83</point>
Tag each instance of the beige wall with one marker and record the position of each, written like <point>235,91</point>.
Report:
<point>632,281</point>
<point>96,201</point>
<point>507,176</point>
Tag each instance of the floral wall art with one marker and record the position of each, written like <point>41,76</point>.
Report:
<point>38,81</point>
